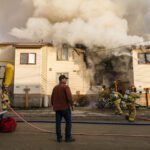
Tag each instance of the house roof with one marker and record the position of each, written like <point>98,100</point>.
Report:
<point>29,45</point>
<point>6,43</point>
<point>26,44</point>
<point>142,45</point>
<point>36,45</point>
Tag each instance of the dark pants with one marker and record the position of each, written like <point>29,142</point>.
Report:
<point>66,114</point>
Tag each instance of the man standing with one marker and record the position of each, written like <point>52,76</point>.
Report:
<point>61,101</point>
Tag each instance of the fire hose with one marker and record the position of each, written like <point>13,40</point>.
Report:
<point>29,124</point>
<point>81,134</point>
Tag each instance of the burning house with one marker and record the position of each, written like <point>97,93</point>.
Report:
<point>99,26</point>
<point>109,66</point>
<point>37,68</point>
<point>128,65</point>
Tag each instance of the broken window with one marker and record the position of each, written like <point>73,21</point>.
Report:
<point>62,53</point>
<point>148,57</point>
<point>28,58</point>
<point>143,58</point>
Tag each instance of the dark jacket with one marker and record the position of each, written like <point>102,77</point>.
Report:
<point>61,98</point>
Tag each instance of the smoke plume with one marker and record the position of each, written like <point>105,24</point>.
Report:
<point>108,23</point>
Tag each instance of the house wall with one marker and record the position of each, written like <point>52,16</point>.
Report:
<point>41,78</point>
<point>74,66</point>
<point>44,70</point>
<point>141,71</point>
<point>27,76</point>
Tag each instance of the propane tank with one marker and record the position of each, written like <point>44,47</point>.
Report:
<point>8,76</point>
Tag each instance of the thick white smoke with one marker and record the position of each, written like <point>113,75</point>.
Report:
<point>13,13</point>
<point>37,28</point>
<point>90,22</point>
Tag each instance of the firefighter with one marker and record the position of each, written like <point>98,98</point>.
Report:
<point>104,93</point>
<point>130,98</point>
<point>103,97</point>
<point>116,97</point>
<point>0,102</point>
<point>8,77</point>
<point>5,99</point>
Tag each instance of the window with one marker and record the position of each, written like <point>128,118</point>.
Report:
<point>61,73</point>
<point>144,58</point>
<point>62,53</point>
<point>148,57</point>
<point>28,58</point>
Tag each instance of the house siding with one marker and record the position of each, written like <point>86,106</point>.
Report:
<point>141,75</point>
<point>141,71</point>
<point>27,76</point>
<point>41,78</point>
<point>74,67</point>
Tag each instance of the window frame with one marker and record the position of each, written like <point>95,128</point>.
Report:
<point>62,53</point>
<point>145,58</point>
<point>28,59</point>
